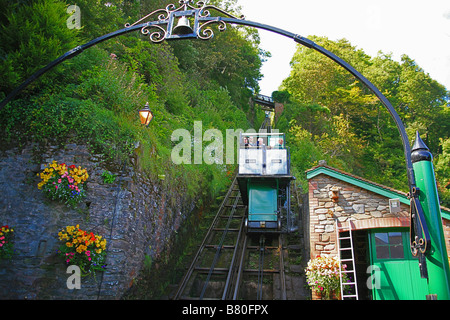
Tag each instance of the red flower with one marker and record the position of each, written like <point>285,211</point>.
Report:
<point>72,166</point>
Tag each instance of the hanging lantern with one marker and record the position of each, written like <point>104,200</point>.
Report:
<point>146,115</point>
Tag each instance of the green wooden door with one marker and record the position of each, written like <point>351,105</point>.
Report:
<point>394,269</point>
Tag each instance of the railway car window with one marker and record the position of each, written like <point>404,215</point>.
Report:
<point>261,142</point>
<point>276,142</point>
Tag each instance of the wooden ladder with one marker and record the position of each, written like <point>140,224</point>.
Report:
<point>347,246</point>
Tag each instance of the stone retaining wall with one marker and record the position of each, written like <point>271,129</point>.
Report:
<point>136,215</point>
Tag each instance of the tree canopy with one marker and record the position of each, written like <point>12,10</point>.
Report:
<point>93,98</point>
<point>332,116</point>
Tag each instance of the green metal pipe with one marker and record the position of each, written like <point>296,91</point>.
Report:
<point>437,260</point>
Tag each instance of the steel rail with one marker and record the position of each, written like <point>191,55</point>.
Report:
<point>231,272</point>
<point>260,272</point>
<point>192,267</point>
<point>219,248</point>
<point>240,269</point>
<point>262,252</point>
<point>282,274</point>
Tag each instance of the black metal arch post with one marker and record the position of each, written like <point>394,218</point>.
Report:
<point>199,14</point>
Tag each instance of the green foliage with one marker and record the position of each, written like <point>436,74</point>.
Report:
<point>281,96</point>
<point>33,34</point>
<point>304,152</point>
<point>148,262</point>
<point>7,239</point>
<point>94,97</point>
<point>345,122</point>
<point>231,60</point>
<point>108,177</point>
<point>102,17</point>
<point>442,164</point>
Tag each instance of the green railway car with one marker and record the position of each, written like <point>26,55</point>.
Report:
<point>262,206</point>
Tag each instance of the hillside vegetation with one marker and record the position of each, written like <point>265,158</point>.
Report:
<point>330,115</point>
<point>94,97</point>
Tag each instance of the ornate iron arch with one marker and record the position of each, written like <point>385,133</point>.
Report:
<point>159,25</point>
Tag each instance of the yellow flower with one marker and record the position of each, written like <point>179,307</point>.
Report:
<point>62,235</point>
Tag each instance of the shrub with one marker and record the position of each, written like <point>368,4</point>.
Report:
<point>108,177</point>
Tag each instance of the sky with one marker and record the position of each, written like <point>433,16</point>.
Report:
<point>419,29</point>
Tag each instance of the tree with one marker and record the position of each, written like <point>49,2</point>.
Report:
<point>423,101</point>
<point>33,34</point>
<point>231,60</point>
<point>316,83</point>
<point>443,172</point>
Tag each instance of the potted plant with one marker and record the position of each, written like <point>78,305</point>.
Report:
<point>322,275</point>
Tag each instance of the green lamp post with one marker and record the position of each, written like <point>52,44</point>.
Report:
<point>436,257</point>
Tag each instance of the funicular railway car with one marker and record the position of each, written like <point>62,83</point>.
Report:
<point>264,180</point>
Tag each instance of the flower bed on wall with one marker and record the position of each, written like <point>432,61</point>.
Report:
<point>63,183</point>
<point>6,244</point>
<point>83,249</point>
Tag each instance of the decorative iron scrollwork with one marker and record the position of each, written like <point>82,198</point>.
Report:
<point>159,24</point>
<point>420,236</point>
<point>207,33</point>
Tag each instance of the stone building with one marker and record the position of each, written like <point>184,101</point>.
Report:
<point>378,216</point>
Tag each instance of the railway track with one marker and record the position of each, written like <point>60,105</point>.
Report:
<point>261,269</point>
<point>232,265</point>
